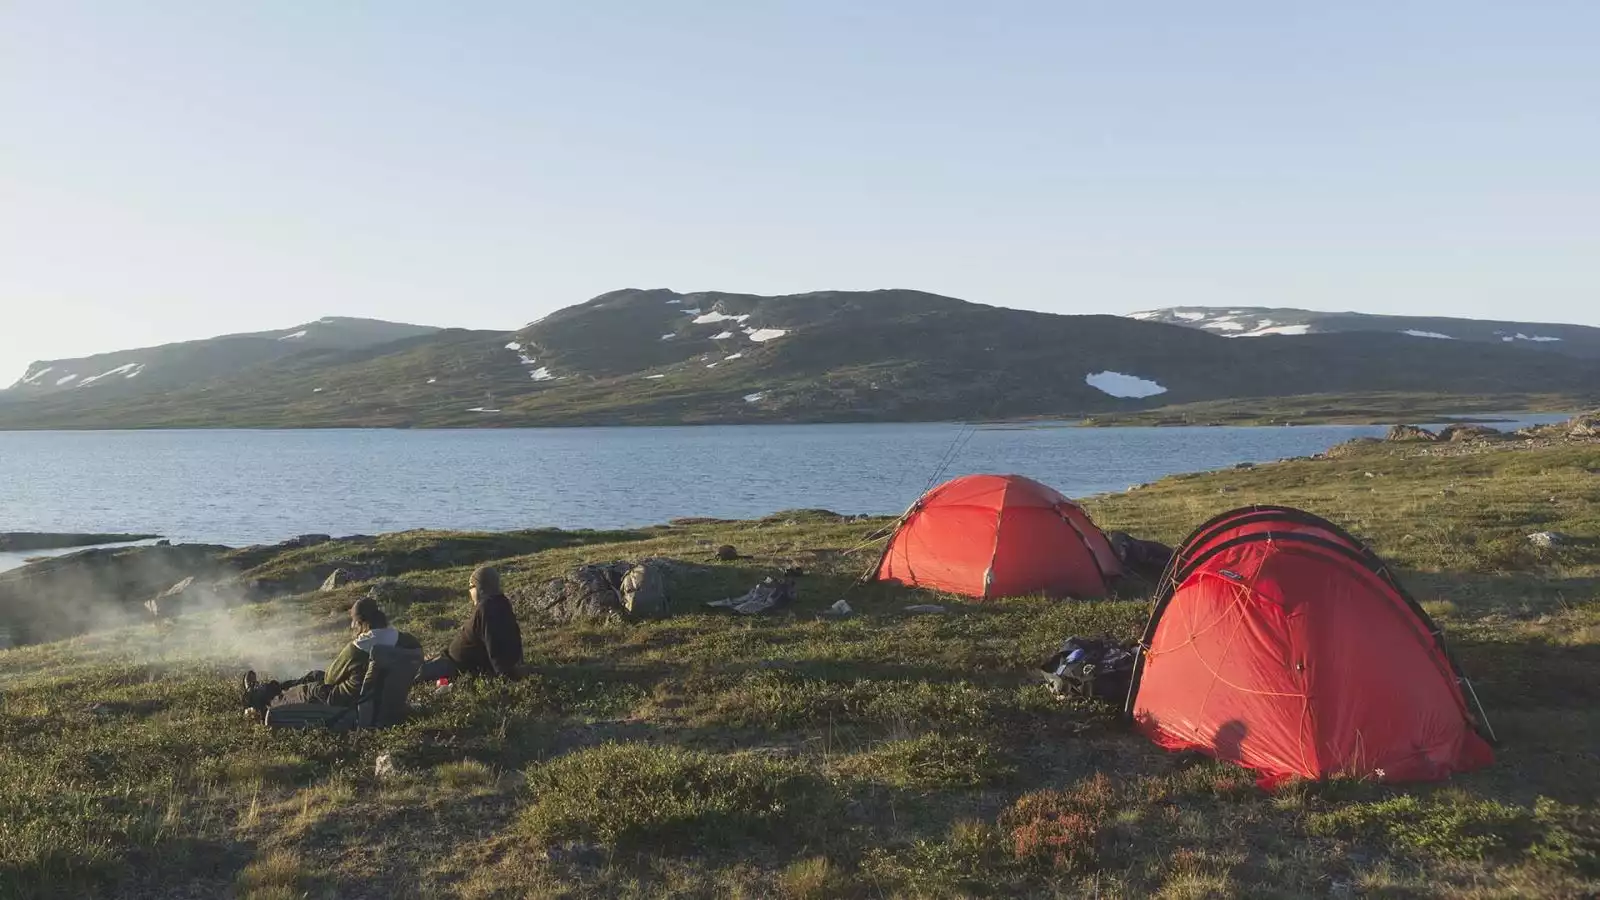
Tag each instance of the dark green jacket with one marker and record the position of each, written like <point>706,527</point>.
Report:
<point>342,682</point>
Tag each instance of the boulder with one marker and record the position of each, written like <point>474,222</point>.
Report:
<point>1469,432</point>
<point>1410,433</point>
<point>171,602</point>
<point>727,553</point>
<point>644,591</point>
<point>601,591</point>
<point>351,572</point>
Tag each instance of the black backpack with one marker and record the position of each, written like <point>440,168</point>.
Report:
<point>1089,669</point>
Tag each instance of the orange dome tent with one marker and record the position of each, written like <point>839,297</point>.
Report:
<point>989,536</point>
<point>1279,642</point>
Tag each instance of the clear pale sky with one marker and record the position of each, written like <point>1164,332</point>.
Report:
<point>176,170</point>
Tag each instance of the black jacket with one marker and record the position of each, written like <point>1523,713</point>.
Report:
<point>490,643</point>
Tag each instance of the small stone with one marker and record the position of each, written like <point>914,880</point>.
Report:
<point>841,609</point>
<point>1547,539</point>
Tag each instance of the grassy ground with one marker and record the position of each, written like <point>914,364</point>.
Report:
<point>885,755</point>
<point>1344,409</point>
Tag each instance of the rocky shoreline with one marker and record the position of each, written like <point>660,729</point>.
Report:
<point>24,541</point>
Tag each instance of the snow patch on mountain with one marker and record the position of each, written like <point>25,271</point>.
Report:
<point>1267,327</point>
<point>66,379</point>
<point>1190,316</point>
<point>762,335</point>
<point>1126,386</point>
<point>722,337</point>
<point>1148,314</point>
<point>713,317</point>
<point>668,337</point>
<point>754,398</point>
<point>130,370</point>
<point>542,373</point>
<point>33,377</point>
<point>733,357</point>
<point>294,337</point>
<point>654,377</point>
<point>1428,334</point>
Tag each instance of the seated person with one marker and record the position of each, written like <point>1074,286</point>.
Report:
<point>490,643</point>
<point>340,685</point>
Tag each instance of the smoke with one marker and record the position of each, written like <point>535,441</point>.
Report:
<point>217,628</point>
<point>164,606</point>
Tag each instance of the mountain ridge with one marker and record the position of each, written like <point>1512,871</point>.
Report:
<point>205,357</point>
<point>655,356</point>
<point>1261,321</point>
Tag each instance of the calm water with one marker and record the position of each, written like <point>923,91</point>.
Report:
<point>241,487</point>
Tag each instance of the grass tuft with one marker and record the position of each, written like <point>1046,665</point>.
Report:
<point>931,761</point>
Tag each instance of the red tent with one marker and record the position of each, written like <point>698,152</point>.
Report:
<point>999,536</point>
<point>1281,643</point>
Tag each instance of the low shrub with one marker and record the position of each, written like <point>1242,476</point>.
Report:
<point>670,800</point>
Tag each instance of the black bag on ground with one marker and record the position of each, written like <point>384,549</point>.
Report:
<point>1089,669</point>
<point>1147,559</point>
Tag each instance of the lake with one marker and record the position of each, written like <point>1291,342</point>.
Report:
<point>242,487</point>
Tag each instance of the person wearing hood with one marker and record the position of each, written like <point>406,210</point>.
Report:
<point>340,684</point>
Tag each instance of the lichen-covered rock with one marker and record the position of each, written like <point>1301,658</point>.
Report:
<point>1548,539</point>
<point>1585,425</point>
<point>600,591</point>
<point>171,602</point>
<point>1410,433</point>
<point>1469,432</point>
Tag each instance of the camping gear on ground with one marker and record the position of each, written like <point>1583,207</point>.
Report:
<point>771,593</point>
<point>987,536</point>
<point>1089,669</point>
<point>1281,643</point>
<point>1147,559</point>
<point>381,704</point>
